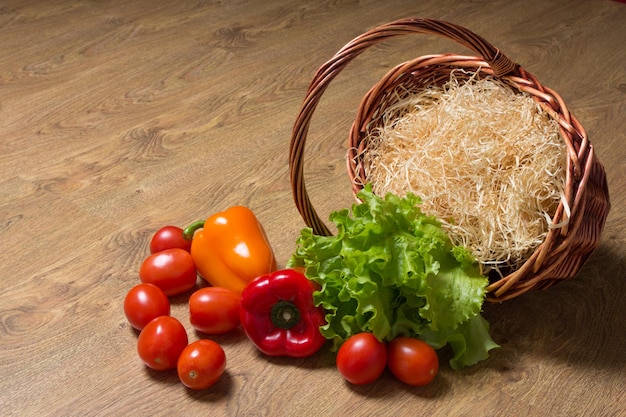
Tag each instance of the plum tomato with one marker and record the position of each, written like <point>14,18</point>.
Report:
<point>362,358</point>
<point>412,360</point>
<point>172,270</point>
<point>169,237</point>
<point>143,303</point>
<point>161,342</point>
<point>214,310</point>
<point>201,364</point>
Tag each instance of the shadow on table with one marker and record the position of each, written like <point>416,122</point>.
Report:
<point>581,321</point>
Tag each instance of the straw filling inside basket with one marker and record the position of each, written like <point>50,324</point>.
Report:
<point>485,159</point>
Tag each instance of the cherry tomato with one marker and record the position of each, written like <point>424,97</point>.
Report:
<point>172,270</point>
<point>214,310</point>
<point>145,302</point>
<point>362,358</point>
<point>412,360</point>
<point>161,342</point>
<point>169,237</point>
<point>201,364</point>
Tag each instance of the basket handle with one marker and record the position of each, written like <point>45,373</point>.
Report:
<point>500,64</point>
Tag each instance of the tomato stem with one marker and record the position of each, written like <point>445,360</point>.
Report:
<point>191,229</point>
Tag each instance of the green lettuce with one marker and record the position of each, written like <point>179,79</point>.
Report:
<point>392,270</point>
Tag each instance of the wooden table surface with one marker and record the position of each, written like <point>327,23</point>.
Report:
<point>119,117</point>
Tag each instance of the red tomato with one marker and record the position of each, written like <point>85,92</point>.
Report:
<point>143,303</point>
<point>169,237</point>
<point>201,364</point>
<point>161,342</point>
<point>361,359</point>
<point>172,270</point>
<point>412,361</point>
<point>214,310</point>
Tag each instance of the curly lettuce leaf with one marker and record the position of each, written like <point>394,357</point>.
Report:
<point>470,342</point>
<point>392,270</point>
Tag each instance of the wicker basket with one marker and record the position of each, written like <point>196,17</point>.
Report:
<point>564,249</point>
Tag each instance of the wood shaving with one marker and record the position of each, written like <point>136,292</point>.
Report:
<point>485,159</point>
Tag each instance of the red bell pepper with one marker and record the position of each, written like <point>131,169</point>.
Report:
<point>279,317</point>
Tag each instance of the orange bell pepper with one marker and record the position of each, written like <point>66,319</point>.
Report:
<point>231,249</point>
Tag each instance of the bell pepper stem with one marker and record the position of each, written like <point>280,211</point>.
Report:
<point>285,314</point>
<point>191,229</point>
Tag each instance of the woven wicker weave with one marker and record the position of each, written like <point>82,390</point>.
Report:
<point>565,249</point>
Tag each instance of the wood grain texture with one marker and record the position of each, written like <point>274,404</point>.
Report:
<point>119,117</point>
